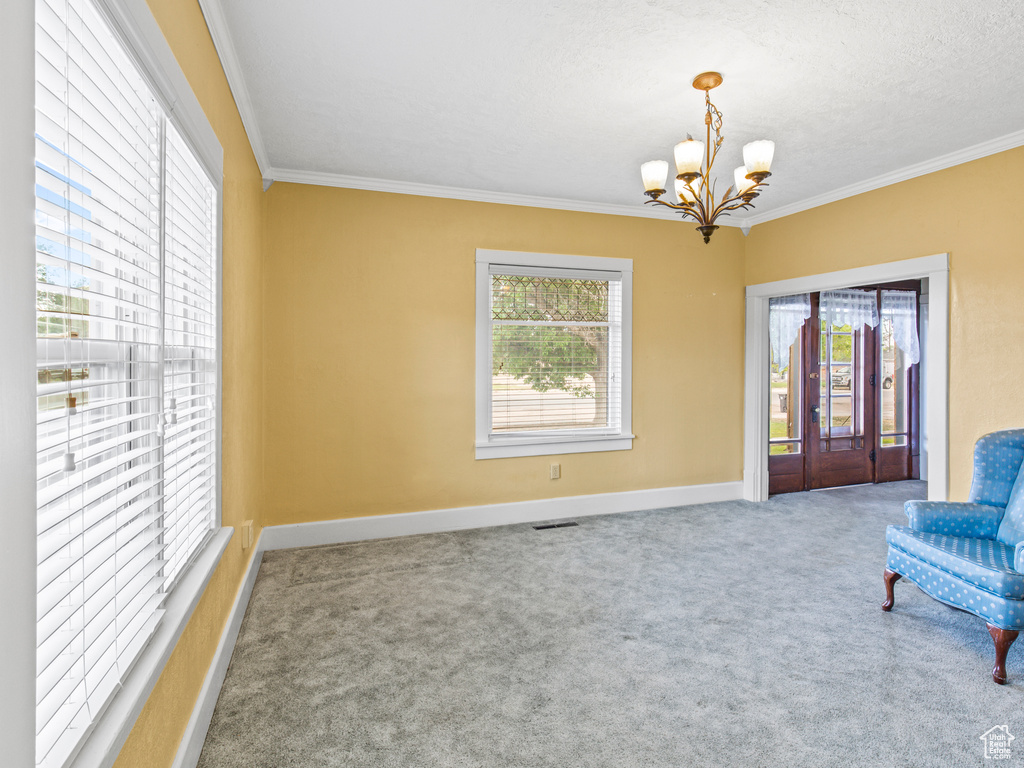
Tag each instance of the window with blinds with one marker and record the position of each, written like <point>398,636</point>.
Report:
<point>555,350</point>
<point>126,377</point>
<point>554,346</point>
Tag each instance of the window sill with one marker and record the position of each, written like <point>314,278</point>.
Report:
<point>510,447</point>
<point>112,727</point>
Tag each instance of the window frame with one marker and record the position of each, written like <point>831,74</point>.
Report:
<point>134,25</point>
<point>543,443</point>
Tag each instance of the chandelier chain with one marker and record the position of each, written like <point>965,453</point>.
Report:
<point>717,124</point>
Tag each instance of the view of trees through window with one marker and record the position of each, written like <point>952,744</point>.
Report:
<point>550,352</point>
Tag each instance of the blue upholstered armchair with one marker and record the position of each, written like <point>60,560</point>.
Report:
<point>971,554</point>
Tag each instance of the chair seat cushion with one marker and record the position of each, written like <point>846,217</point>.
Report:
<point>985,563</point>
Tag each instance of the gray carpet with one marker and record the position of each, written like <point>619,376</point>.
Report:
<point>730,634</point>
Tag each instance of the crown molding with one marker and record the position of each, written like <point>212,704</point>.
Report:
<point>475,195</point>
<point>976,152</point>
<point>222,42</point>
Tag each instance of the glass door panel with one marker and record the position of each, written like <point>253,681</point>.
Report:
<point>895,422</point>
<point>841,396</point>
<point>785,406</point>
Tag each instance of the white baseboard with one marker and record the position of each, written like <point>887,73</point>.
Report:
<point>485,516</point>
<point>191,746</point>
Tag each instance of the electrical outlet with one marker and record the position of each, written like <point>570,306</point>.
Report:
<point>556,471</point>
<point>247,534</point>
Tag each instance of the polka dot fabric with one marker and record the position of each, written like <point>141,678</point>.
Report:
<point>946,588</point>
<point>1011,530</point>
<point>985,563</point>
<point>979,521</point>
<point>971,554</point>
<point>997,461</point>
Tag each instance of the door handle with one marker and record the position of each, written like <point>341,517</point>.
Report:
<point>814,414</point>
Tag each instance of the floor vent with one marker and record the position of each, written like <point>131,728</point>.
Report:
<point>571,524</point>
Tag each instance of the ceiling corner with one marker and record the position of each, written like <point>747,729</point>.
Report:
<point>222,42</point>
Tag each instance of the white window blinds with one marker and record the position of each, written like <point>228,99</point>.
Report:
<point>189,354</point>
<point>126,340</point>
<point>556,350</point>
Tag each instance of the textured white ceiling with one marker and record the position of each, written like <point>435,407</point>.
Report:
<point>565,98</point>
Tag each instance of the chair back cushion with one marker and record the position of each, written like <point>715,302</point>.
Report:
<point>1012,527</point>
<point>997,462</point>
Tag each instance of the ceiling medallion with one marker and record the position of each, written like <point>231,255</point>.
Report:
<point>694,159</point>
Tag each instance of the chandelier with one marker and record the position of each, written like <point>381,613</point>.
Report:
<point>694,189</point>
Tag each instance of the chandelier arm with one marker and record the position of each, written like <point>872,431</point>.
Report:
<point>685,209</point>
<point>700,193</point>
<point>730,203</point>
<point>727,203</point>
<point>724,205</point>
<point>724,208</point>
<point>728,209</point>
<point>703,210</point>
<point>673,206</point>
<point>726,199</point>
<point>696,205</point>
<point>712,156</point>
<point>711,201</point>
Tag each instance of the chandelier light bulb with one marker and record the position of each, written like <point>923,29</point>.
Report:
<point>741,181</point>
<point>757,156</point>
<point>684,193</point>
<point>655,174</point>
<point>689,156</point>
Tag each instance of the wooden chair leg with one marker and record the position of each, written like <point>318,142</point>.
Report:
<point>891,577</point>
<point>1003,638</point>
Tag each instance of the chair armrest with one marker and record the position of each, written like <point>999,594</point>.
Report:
<point>1018,558</point>
<point>954,518</point>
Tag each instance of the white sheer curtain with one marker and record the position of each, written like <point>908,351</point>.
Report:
<point>786,314</point>
<point>902,307</point>
<point>849,306</point>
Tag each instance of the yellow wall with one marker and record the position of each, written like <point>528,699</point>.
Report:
<point>370,353</point>
<point>969,211</point>
<point>158,731</point>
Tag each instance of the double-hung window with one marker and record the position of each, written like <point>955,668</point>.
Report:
<point>553,354</point>
<point>127,338</point>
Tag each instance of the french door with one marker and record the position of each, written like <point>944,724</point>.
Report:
<point>844,411</point>
<point>840,448</point>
